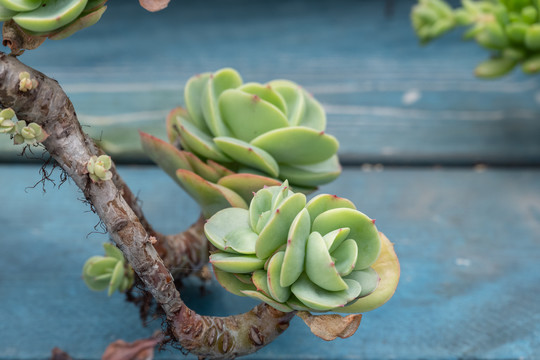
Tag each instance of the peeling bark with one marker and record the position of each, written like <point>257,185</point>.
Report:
<point>206,336</point>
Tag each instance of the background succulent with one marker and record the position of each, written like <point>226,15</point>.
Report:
<point>508,28</point>
<point>110,271</point>
<point>236,138</point>
<point>56,19</point>
<point>320,256</point>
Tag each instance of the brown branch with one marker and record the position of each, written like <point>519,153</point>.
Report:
<point>183,253</point>
<point>205,336</point>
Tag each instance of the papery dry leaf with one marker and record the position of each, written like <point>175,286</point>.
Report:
<point>329,327</point>
<point>59,354</point>
<point>154,5</point>
<point>142,349</point>
<point>17,40</point>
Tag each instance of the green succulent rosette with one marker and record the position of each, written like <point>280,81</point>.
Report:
<point>234,138</point>
<point>323,255</point>
<point>55,19</point>
<point>509,29</point>
<point>110,272</point>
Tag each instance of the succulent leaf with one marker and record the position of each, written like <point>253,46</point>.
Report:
<point>293,260</point>
<point>6,14</point>
<point>296,263</point>
<point>249,116</point>
<point>320,267</point>
<point>199,142</point>
<point>84,21</point>
<point>266,93</point>
<point>231,283</point>
<point>362,230</point>
<point>294,99</point>
<point>387,268</point>
<point>55,15</point>
<point>246,184</point>
<point>166,156</point>
<point>234,263</point>
<point>274,234</point>
<point>217,83</point>
<point>224,222</point>
<point>297,145</point>
<point>247,154</point>
<point>20,5</point>
<point>210,197</point>
<point>192,97</point>
<point>313,174</point>
<point>109,271</point>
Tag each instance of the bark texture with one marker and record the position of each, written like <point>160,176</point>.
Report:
<point>114,203</point>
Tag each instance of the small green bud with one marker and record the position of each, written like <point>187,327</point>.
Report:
<point>98,168</point>
<point>532,37</point>
<point>26,83</point>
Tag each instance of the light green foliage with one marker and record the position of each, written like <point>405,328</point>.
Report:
<point>7,125</point>
<point>234,138</point>
<point>510,29</point>
<point>98,168</point>
<point>26,83</point>
<point>20,132</point>
<point>259,126</point>
<point>108,272</point>
<point>56,19</point>
<point>293,255</point>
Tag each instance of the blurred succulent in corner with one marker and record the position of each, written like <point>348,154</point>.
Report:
<point>510,29</point>
<point>110,271</point>
<point>321,256</point>
<point>55,19</point>
<point>235,138</point>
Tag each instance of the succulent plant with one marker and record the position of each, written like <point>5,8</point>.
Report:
<point>508,28</point>
<point>98,168</point>
<point>7,125</point>
<point>26,83</point>
<point>30,134</point>
<point>110,271</point>
<point>56,19</point>
<point>235,138</point>
<point>321,256</point>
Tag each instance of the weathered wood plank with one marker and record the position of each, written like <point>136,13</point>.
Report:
<point>388,99</point>
<point>468,243</point>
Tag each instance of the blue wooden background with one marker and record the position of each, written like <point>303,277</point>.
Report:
<point>468,235</point>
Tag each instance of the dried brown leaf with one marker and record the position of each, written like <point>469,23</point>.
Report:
<point>17,40</point>
<point>329,327</point>
<point>154,5</point>
<point>142,349</point>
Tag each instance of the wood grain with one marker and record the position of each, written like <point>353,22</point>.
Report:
<point>467,241</point>
<point>388,99</point>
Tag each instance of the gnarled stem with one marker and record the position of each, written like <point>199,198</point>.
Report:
<point>48,106</point>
